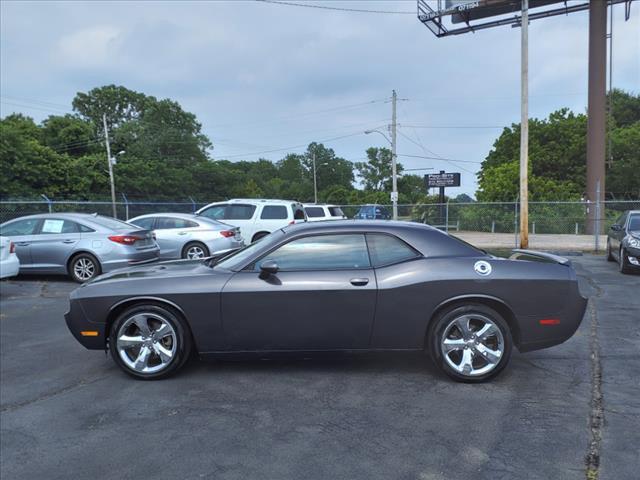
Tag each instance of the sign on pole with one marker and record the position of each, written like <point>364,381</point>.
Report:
<point>442,179</point>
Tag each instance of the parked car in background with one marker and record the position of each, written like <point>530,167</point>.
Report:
<point>182,235</point>
<point>373,212</point>
<point>78,244</point>
<point>256,218</point>
<point>334,286</point>
<point>9,263</point>
<point>317,213</point>
<point>623,241</point>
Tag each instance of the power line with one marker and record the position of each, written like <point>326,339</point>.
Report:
<point>340,9</point>
<point>49,109</point>
<point>438,158</point>
<point>455,126</point>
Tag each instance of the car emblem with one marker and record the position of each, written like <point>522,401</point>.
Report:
<point>482,268</point>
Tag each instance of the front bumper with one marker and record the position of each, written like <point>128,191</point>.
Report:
<point>90,334</point>
<point>633,255</point>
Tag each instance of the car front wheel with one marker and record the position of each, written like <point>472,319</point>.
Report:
<point>149,342</point>
<point>470,343</point>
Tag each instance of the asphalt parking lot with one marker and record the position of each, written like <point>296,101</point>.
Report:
<point>69,412</point>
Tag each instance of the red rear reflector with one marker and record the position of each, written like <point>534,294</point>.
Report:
<point>227,233</point>
<point>12,247</point>
<point>292,222</point>
<point>549,321</point>
<point>124,239</point>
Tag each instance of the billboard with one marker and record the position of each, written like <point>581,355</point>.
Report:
<point>442,179</point>
<point>463,11</point>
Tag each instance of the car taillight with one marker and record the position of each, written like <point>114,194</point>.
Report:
<point>12,247</point>
<point>227,233</point>
<point>292,222</point>
<point>124,239</point>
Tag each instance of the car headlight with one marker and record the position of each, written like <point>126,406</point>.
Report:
<point>633,242</point>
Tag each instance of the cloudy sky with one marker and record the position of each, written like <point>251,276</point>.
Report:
<point>266,79</point>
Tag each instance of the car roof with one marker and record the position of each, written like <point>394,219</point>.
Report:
<point>257,200</point>
<point>62,215</point>
<point>319,205</point>
<point>353,224</point>
<point>186,216</point>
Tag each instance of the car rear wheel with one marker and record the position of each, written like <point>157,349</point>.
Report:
<point>609,254</point>
<point>149,342</point>
<point>470,343</point>
<point>623,262</point>
<point>195,250</point>
<point>83,267</point>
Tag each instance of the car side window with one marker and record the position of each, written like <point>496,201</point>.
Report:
<point>216,212</point>
<point>85,229</point>
<point>239,212</point>
<point>388,249</point>
<point>314,212</point>
<point>165,223</point>
<point>622,219</point>
<point>55,225</point>
<point>321,252</point>
<point>20,227</point>
<point>336,212</point>
<point>274,212</point>
<point>144,222</point>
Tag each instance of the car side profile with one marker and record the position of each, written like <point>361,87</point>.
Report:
<point>349,286</point>
<point>256,218</point>
<point>183,235</point>
<point>623,241</point>
<point>373,212</point>
<point>320,212</point>
<point>77,244</point>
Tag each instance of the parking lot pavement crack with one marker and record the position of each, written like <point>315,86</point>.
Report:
<point>81,383</point>
<point>596,420</point>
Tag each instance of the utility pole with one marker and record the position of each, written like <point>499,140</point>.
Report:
<point>110,163</point>
<point>524,126</point>
<point>394,177</point>
<point>315,184</point>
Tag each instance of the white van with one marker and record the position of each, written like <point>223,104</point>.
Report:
<point>255,217</point>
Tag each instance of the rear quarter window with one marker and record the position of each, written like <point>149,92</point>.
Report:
<point>274,212</point>
<point>314,212</point>
<point>388,249</point>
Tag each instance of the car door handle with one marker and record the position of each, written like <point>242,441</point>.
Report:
<point>23,244</point>
<point>359,282</point>
<point>68,241</point>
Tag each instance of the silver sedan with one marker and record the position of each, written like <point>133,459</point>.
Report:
<point>182,235</point>
<point>78,244</point>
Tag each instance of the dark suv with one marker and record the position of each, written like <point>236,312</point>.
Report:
<point>373,212</point>
<point>623,241</point>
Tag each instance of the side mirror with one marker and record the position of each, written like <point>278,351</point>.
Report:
<point>268,268</point>
<point>616,228</point>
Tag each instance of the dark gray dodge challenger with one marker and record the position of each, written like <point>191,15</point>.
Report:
<point>333,286</point>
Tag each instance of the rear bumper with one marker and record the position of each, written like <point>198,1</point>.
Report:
<point>536,334</point>
<point>131,259</point>
<point>10,266</point>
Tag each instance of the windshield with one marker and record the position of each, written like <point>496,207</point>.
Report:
<point>237,259</point>
<point>634,223</point>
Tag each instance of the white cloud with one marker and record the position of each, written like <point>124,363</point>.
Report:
<point>92,47</point>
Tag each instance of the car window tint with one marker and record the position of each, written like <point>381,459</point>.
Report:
<point>298,213</point>
<point>164,223</point>
<point>634,222</point>
<point>143,222</point>
<point>387,249</point>
<point>336,212</point>
<point>56,225</point>
<point>274,212</point>
<point>314,212</point>
<point>321,252</point>
<point>20,227</point>
<point>85,229</point>
<point>216,212</point>
<point>239,212</point>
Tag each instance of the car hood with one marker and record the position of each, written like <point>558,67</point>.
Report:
<point>154,270</point>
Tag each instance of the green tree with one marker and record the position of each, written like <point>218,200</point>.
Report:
<point>376,171</point>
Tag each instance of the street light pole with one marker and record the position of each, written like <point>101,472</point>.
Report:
<point>110,163</point>
<point>394,175</point>
<point>524,127</point>
<point>315,184</point>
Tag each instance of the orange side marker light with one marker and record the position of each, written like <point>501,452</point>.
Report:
<point>89,333</point>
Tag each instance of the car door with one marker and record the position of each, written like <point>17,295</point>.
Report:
<point>22,232</point>
<point>617,233</point>
<point>243,216</point>
<point>169,237</point>
<point>53,244</point>
<point>322,298</point>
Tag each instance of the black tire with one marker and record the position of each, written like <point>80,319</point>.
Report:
<point>609,255</point>
<point>83,267</point>
<point>195,246</point>
<point>443,321</point>
<point>183,341</point>
<point>623,263</point>
<point>258,236</point>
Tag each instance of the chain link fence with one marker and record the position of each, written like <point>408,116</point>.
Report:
<point>559,225</point>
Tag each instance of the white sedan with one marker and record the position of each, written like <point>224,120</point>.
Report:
<point>9,263</point>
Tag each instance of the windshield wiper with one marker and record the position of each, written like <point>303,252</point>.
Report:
<point>215,259</point>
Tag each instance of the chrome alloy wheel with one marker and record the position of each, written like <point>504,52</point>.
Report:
<point>472,344</point>
<point>146,342</point>
<point>195,251</point>
<point>84,268</point>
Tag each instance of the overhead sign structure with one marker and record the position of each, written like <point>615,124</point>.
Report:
<point>442,180</point>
